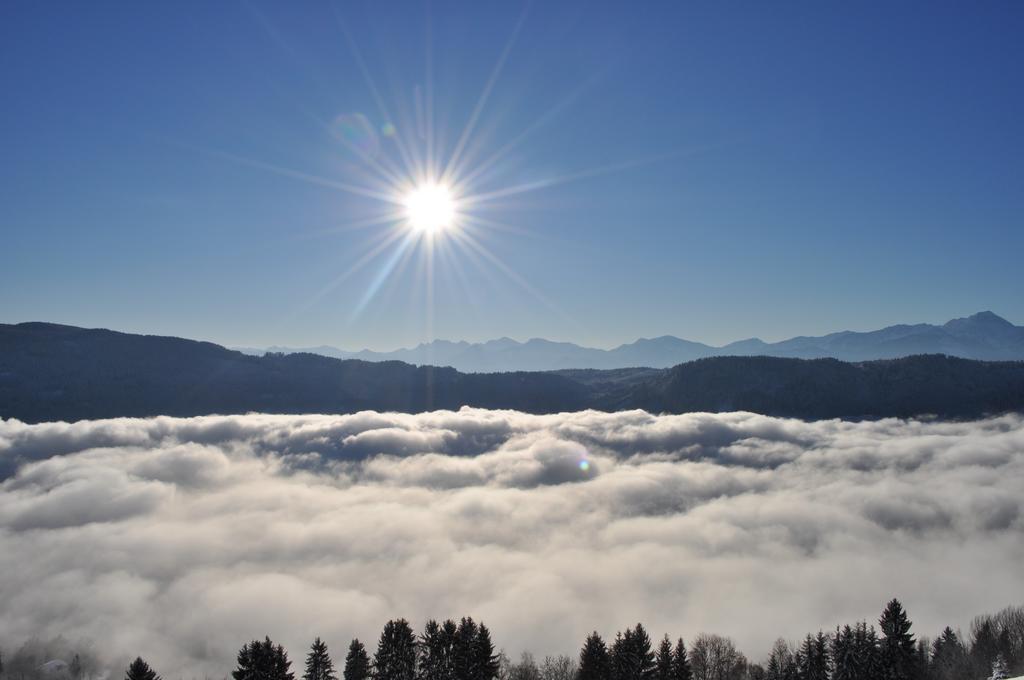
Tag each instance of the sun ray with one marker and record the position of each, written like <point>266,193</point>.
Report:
<point>382,275</point>
<point>452,167</point>
<point>403,151</point>
<point>388,239</point>
<point>352,225</point>
<point>484,224</point>
<point>382,195</point>
<point>477,199</point>
<point>480,168</point>
<point>469,240</point>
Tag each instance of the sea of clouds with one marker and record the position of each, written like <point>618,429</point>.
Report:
<point>181,538</point>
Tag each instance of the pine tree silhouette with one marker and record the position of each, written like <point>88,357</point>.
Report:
<point>680,663</point>
<point>395,658</point>
<point>642,651</point>
<point>631,655</point>
<point>949,657</point>
<point>357,662</point>
<point>464,653</point>
<point>898,646</point>
<point>594,661</point>
<point>485,662</point>
<point>663,660</point>
<point>318,663</point>
<point>140,670</point>
<point>262,661</point>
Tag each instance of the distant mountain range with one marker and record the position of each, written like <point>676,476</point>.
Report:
<point>984,336</point>
<point>53,372</point>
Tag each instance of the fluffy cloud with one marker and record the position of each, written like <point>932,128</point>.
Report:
<point>179,539</point>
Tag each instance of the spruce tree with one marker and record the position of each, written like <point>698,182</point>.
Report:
<point>485,664</point>
<point>663,660</point>
<point>281,664</point>
<point>642,650</point>
<point>318,663</point>
<point>262,660</point>
<point>464,650</point>
<point>619,655</point>
<point>843,667</point>
<point>822,656</point>
<point>594,661</point>
<point>395,658</point>
<point>949,659</point>
<point>898,646</point>
<point>140,670</point>
<point>75,669</point>
<point>814,662</point>
<point>357,662</point>
<point>921,658</point>
<point>431,652</point>
<point>631,655</point>
<point>984,648</point>
<point>680,663</point>
<point>870,653</point>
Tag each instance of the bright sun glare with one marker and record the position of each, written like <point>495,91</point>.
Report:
<point>430,208</point>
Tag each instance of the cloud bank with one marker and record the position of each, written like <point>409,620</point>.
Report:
<point>180,539</point>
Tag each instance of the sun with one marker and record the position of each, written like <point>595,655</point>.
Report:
<point>430,208</point>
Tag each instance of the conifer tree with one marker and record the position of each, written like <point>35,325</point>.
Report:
<point>75,668</point>
<point>822,655</point>
<point>318,663</point>
<point>898,654</point>
<point>984,648</point>
<point>485,663</point>
<point>357,662</point>
<point>594,661</point>
<point>432,652</point>
<point>619,655</point>
<point>631,655</point>
<point>463,652</point>
<point>262,661</point>
<point>140,670</point>
<point>843,667</point>
<point>814,662</point>
<point>395,658</point>
<point>870,652</point>
<point>922,656</point>
<point>949,657</point>
<point>642,651</point>
<point>663,660</point>
<point>680,663</point>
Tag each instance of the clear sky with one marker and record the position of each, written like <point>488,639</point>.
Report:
<point>713,170</point>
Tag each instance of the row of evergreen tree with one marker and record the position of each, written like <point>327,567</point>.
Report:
<point>858,652</point>
<point>465,651</point>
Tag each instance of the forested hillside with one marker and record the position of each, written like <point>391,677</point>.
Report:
<point>53,372</point>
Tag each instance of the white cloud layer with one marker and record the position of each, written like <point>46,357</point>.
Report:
<point>180,539</point>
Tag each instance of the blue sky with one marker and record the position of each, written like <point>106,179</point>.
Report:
<point>739,169</point>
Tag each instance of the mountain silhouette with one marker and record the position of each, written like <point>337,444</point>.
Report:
<point>984,336</point>
<point>55,372</point>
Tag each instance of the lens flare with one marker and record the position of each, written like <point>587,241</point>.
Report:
<point>585,465</point>
<point>356,132</point>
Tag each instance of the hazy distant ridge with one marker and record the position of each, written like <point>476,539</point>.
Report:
<point>984,336</point>
<point>52,372</point>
